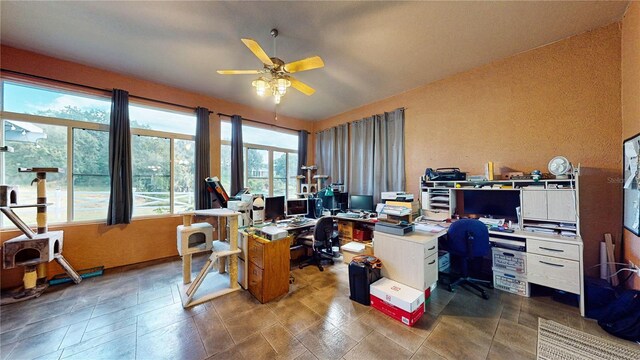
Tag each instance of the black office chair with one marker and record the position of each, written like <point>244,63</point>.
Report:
<point>321,242</point>
<point>469,240</point>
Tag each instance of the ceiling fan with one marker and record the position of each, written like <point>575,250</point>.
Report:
<point>275,75</point>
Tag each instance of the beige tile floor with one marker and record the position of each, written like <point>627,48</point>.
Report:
<point>135,313</point>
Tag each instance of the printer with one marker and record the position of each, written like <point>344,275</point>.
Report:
<point>273,233</point>
<point>396,196</point>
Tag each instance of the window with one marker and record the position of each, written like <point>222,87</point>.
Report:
<point>163,160</point>
<point>270,160</point>
<point>46,127</point>
<point>49,127</point>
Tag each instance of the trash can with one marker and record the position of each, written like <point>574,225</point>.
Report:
<point>363,271</point>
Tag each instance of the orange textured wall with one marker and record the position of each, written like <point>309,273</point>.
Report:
<point>560,99</point>
<point>631,105</point>
<point>90,245</point>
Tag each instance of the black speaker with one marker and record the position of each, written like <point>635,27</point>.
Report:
<point>315,208</point>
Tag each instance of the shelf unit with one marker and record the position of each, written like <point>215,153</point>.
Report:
<point>547,206</point>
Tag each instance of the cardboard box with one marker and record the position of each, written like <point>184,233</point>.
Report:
<point>362,234</point>
<point>398,301</point>
<point>352,249</point>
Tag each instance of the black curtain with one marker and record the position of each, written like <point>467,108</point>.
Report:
<point>302,151</point>
<point>121,196</point>
<point>237,164</point>
<point>203,168</point>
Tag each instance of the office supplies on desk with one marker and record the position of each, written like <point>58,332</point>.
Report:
<point>396,210</point>
<point>431,228</point>
<point>492,222</point>
<point>395,196</point>
<point>433,215</point>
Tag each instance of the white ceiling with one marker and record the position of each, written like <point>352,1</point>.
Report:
<point>371,50</point>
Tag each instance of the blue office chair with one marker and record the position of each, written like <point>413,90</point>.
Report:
<point>468,239</point>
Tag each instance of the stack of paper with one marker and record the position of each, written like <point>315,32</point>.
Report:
<point>396,210</point>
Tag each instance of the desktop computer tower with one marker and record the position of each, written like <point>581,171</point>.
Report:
<point>312,205</point>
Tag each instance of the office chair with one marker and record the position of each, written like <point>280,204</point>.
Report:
<point>321,242</point>
<point>468,239</point>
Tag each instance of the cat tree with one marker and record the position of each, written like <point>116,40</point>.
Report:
<point>33,250</point>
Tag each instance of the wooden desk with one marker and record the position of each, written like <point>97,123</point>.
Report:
<point>268,268</point>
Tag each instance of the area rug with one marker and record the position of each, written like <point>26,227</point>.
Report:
<point>557,341</point>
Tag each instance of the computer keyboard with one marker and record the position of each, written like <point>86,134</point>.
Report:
<point>350,215</point>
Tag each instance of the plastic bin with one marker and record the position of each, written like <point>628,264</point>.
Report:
<point>510,281</point>
<point>511,260</point>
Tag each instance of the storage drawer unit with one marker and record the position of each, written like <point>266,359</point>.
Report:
<point>510,281</point>
<point>411,260</point>
<point>268,268</point>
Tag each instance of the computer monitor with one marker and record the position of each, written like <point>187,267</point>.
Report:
<point>340,200</point>
<point>297,207</point>
<point>274,208</point>
<point>500,204</point>
<point>361,202</point>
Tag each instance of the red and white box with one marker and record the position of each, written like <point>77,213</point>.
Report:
<point>398,301</point>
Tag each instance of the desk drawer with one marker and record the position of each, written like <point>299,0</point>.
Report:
<point>256,252</point>
<point>255,281</point>
<point>431,247</point>
<point>430,270</point>
<point>554,272</point>
<point>555,249</point>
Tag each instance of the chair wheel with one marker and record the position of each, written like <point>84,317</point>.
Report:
<point>300,266</point>
<point>485,296</point>
<point>332,262</point>
<point>321,268</point>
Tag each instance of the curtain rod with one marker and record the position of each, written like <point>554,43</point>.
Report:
<point>97,89</point>
<point>263,123</point>
<point>355,121</point>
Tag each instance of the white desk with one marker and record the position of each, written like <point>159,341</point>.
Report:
<point>552,260</point>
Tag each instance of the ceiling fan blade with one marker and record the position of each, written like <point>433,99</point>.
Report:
<point>302,87</point>
<point>310,63</point>
<point>257,51</point>
<point>239,72</point>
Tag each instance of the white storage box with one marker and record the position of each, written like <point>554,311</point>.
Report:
<point>195,238</point>
<point>511,260</point>
<point>510,281</point>
<point>349,250</point>
<point>398,301</point>
<point>399,295</point>
<point>273,233</point>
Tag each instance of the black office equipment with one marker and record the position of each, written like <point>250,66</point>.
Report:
<point>361,202</point>
<point>321,242</point>
<point>445,174</point>
<point>468,240</point>
<point>219,197</point>
<point>340,200</point>
<point>274,208</point>
<point>297,207</point>
<point>364,270</point>
<point>495,203</point>
<point>315,207</point>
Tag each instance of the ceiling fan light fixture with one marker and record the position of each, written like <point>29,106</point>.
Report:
<point>282,84</point>
<point>261,85</point>
<point>276,97</point>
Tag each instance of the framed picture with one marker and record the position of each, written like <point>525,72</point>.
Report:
<point>631,184</point>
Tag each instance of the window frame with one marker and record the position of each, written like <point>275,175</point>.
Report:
<point>85,125</point>
<point>270,150</point>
